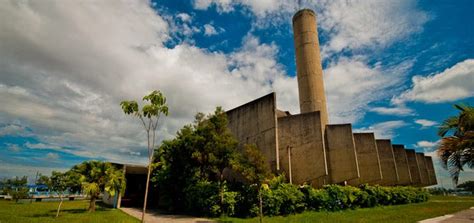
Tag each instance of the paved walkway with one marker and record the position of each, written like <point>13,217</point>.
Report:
<point>466,216</point>
<point>153,216</point>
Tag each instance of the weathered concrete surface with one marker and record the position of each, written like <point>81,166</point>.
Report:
<point>402,164</point>
<point>341,153</point>
<point>301,135</point>
<point>431,170</point>
<point>256,123</point>
<point>387,162</point>
<point>425,180</point>
<point>414,167</point>
<point>308,64</point>
<point>368,159</point>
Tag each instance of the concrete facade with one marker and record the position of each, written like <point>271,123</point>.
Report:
<point>431,170</point>
<point>305,147</point>
<point>387,162</point>
<point>425,180</point>
<point>308,64</point>
<point>256,123</point>
<point>414,167</point>
<point>402,165</point>
<point>341,153</point>
<point>367,158</point>
<point>302,154</point>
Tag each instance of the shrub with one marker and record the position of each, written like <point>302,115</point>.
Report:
<point>282,198</point>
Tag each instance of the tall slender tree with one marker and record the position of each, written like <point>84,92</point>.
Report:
<point>149,116</point>
<point>456,149</point>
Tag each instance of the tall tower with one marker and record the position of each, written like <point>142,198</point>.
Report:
<point>308,64</point>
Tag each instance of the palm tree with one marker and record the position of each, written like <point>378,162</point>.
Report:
<point>456,149</point>
<point>98,177</point>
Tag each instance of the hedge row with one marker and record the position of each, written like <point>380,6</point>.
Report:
<point>281,198</point>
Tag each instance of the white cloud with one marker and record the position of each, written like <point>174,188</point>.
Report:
<point>13,129</point>
<point>399,111</point>
<point>184,17</point>
<point>452,84</point>
<point>209,30</point>
<point>384,130</point>
<point>351,85</point>
<point>52,156</point>
<point>425,123</point>
<point>427,146</point>
<point>350,24</point>
<point>65,69</point>
<point>13,147</point>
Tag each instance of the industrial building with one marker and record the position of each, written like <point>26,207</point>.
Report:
<point>306,147</point>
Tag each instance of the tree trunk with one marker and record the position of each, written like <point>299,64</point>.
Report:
<point>260,201</point>
<point>92,204</point>
<point>146,191</point>
<point>60,203</point>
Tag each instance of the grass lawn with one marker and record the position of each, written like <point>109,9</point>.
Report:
<point>436,206</point>
<point>71,211</point>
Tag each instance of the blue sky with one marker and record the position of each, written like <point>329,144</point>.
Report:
<point>392,67</point>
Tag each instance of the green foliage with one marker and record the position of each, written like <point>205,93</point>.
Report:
<point>468,186</point>
<point>16,187</point>
<point>200,153</point>
<point>456,149</point>
<point>97,177</point>
<point>203,197</point>
<point>282,198</point>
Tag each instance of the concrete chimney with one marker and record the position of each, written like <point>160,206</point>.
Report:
<point>308,64</point>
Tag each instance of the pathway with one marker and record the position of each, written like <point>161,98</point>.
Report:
<point>153,216</point>
<point>459,217</point>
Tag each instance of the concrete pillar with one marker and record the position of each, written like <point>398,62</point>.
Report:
<point>367,158</point>
<point>414,167</point>
<point>431,171</point>
<point>387,162</point>
<point>425,181</point>
<point>308,64</point>
<point>341,153</point>
<point>402,165</point>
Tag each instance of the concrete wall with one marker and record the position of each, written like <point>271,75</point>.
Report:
<point>302,136</point>
<point>256,123</point>
<point>431,171</point>
<point>340,150</point>
<point>402,164</point>
<point>368,159</point>
<point>387,162</point>
<point>414,167</point>
<point>425,180</point>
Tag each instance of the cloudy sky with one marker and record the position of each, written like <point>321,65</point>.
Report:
<point>392,67</point>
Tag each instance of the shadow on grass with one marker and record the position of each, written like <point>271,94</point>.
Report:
<point>52,213</point>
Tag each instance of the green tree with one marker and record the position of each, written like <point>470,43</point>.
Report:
<point>149,115</point>
<point>456,149</point>
<point>42,179</point>
<point>201,152</point>
<point>58,182</point>
<point>252,166</point>
<point>468,185</point>
<point>16,187</point>
<point>97,177</point>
